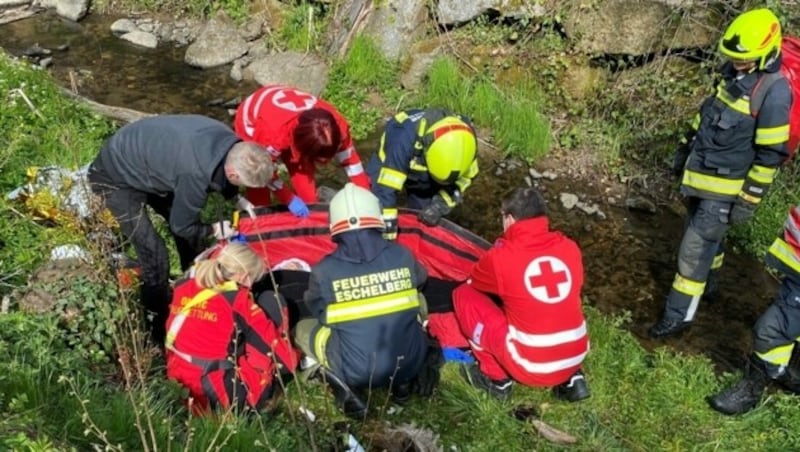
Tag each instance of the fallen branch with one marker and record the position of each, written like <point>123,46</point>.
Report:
<point>20,93</point>
<point>122,114</point>
<point>14,14</point>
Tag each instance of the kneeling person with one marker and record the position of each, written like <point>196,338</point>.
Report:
<point>220,342</point>
<point>521,307</point>
<point>365,301</point>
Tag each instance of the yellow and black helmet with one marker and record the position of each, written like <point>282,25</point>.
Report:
<point>753,36</point>
<point>451,149</point>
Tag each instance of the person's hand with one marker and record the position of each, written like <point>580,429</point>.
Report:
<point>741,211</point>
<point>433,214</point>
<point>244,205</point>
<point>222,230</point>
<point>298,207</point>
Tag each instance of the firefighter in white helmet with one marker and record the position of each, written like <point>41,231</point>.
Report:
<point>365,301</point>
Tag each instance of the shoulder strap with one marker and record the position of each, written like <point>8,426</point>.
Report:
<point>760,90</point>
<point>202,296</point>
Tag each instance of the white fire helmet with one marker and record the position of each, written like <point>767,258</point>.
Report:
<point>354,208</point>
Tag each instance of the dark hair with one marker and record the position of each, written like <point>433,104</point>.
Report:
<point>524,203</point>
<point>317,136</point>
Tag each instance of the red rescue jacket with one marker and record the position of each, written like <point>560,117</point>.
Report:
<point>538,275</point>
<point>269,117</point>
<point>216,336</point>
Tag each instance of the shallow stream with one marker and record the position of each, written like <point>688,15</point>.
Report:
<point>629,256</point>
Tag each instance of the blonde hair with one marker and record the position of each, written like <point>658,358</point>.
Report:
<point>252,163</point>
<point>235,258</point>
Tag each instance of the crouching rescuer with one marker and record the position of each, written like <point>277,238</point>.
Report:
<point>365,302</point>
<point>521,310</point>
<point>225,347</point>
<point>775,332</point>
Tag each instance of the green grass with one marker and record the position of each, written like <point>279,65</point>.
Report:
<point>302,26</point>
<point>361,75</point>
<point>513,115</point>
<point>640,401</point>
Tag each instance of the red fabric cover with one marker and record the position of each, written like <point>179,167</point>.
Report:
<point>447,251</point>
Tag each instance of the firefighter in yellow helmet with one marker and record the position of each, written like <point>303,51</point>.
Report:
<point>431,154</point>
<point>729,158</point>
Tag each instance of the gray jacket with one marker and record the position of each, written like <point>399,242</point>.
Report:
<point>175,154</point>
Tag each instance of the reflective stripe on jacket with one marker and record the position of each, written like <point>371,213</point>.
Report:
<point>734,152</point>
<point>269,117</point>
<point>400,161</point>
<point>369,314</point>
<point>538,275</point>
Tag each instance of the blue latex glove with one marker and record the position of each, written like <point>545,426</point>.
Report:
<point>298,207</point>
<point>453,354</point>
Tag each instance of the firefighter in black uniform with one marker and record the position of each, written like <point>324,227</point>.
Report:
<point>171,163</point>
<point>730,158</point>
<point>365,300</point>
<point>429,153</point>
<point>775,332</point>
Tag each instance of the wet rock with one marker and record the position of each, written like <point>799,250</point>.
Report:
<point>568,200</point>
<point>217,44</point>
<point>449,12</point>
<point>63,47</point>
<point>215,102</point>
<point>590,209</point>
<point>46,62</point>
<point>73,10</point>
<point>641,204</point>
<point>141,38</point>
<point>11,3</point>
<point>253,28</point>
<point>305,71</point>
<point>392,24</point>
<point>36,51</point>
<point>232,103</point>
<point>650,26</point>
<point>236,71</point>
<point>498,171</point>
<point>122,26</point>
<point>535,174</point>
<point>528,181</point>
<point>418,61</point>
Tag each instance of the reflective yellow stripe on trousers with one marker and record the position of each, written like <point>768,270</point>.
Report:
<point>712,184</point>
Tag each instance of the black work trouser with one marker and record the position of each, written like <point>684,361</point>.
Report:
<point>778,329</point>
<point>129,209</point>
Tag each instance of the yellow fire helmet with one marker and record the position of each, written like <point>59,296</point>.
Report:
<point>353,208</point>
<point>451,150</point>
<point>753,36</point>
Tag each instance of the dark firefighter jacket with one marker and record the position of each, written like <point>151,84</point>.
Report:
<point>365,294</point>
<point>177,154</point>
<point>735,151</point>
<point>784,256</point>
<point>402,160</point>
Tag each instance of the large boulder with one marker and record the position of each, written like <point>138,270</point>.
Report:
<point>219,43</point>
<point>73,10</point>
<point>392,24</point>
<point>639,27</point>
<point>450,12</point>
<point>305,71</point>
<point>418,60</point>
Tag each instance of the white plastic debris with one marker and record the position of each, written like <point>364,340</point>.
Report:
<point>68,252</point>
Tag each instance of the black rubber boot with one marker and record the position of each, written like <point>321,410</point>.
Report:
<point>499,389</point>
<point>156,300</point>
<point>744,395</point>
<point>573,390</point>
<point>711,292</point>
<point>668,327</point>
<point>348,401</point>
